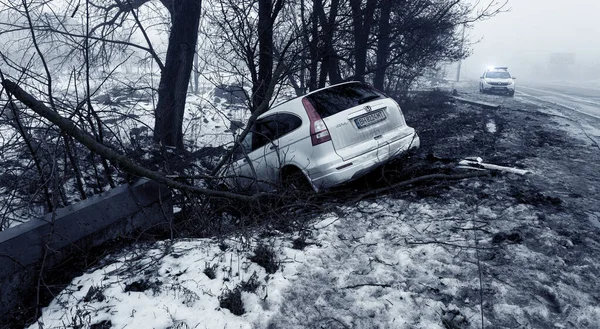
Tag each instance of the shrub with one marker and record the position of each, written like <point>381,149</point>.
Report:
<point>265,256</point>
<point>232,300</point>
<point>210,271</point>
<point>251,284</point>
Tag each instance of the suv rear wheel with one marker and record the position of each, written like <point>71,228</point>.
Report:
<point>294,179</point>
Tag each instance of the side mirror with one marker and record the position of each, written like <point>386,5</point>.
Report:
<point>480,77</point>
<point>514,78</point>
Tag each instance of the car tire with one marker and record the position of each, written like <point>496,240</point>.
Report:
<point>293,179</point>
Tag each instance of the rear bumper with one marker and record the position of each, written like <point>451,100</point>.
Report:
<point>328,175</point>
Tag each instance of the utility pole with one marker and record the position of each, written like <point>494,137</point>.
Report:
<point>462,44</point>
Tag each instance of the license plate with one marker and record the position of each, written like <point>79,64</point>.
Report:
<point>369,119</point>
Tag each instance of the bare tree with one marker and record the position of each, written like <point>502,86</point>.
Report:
<point>387,43</point>
<point>267,14</point>
<point>362,22</point>
<point>246,32</point>
<point>175,77</point>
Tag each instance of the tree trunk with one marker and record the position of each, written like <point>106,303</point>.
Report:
<point>362,20</point>
<point>267,14</point>
<point>330,62</point>
<point>196,73</point>
<point>175,78</point>
<point>265,56</point>
<point>314,50</point>
<point>383,45</point>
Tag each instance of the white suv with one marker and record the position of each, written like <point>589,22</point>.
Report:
<point>497,80</point>
<point>322,139</point>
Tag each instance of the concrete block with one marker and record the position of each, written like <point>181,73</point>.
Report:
<point>77,228</point>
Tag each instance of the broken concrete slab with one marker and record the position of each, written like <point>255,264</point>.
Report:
<point>77,228</point>
<point>476,102</point>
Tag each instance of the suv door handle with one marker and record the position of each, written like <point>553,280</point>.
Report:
<point>273,147</point>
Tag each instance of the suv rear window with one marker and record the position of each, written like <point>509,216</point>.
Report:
<point>337,99</point>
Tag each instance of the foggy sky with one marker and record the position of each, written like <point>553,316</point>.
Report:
<point>523,38</point>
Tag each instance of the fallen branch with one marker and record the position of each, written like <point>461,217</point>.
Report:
<point>442,243</point>
<point>262,108</point>
<point>420,179</point>
<point>124,162</point>
<point>383,285</point>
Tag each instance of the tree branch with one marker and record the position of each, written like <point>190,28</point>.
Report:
<point>124,162</point>
<point>262,108</point>
<point>420,179</point>
<point>150,48</point>
<point>383,285</point>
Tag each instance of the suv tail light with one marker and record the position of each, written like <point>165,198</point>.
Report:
<point>400,110</point>
<point>318,130</point>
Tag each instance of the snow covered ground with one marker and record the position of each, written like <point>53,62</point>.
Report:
<point>502,251</point>
<point>381,264</point>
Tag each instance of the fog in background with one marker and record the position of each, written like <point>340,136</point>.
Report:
<point>539,40</point>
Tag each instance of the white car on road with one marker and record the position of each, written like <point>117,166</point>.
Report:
<point>322,139</point>
<point>497,80</point>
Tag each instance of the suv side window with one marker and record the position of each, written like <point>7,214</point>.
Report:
<point>265,131</point>
<point>273,127</point>
<point>286,123</point>
<point>246,146</point>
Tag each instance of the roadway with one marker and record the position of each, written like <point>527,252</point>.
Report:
<point>578,98</point>
<point>578,102</point>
